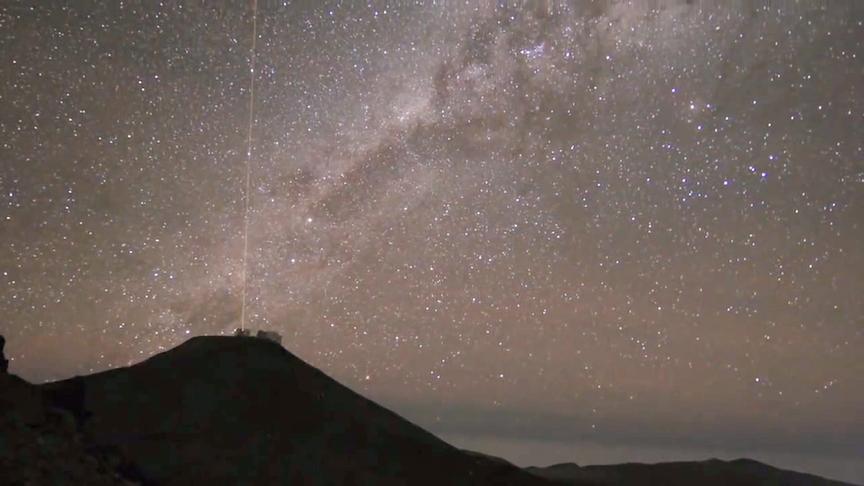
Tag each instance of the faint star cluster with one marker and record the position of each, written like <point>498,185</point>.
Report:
<point>622,221</point>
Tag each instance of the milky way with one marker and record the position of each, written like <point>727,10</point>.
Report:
<point>590,231</point>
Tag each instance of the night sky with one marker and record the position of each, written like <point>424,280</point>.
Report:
<point>592,232</point>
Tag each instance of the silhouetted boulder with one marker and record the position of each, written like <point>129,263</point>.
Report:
<point>69,398</point>
<point>240,332</point>
<point>4,363</point>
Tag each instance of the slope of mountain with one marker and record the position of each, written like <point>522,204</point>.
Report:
<point>238,410</point>
<point>743,472</point>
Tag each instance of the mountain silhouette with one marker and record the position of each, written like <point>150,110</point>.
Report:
<point>713,472</point>
<point>243,410</point>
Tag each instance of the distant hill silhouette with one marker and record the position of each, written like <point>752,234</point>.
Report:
<point>713,472</point>
<point>243,410</point>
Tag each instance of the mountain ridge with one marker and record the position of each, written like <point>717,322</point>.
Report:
<point>257,414</point>
<point>245,410</point>
<point>706,472</point>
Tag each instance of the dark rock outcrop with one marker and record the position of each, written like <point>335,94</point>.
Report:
<point>42,444</point>
<point>4,363</point>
